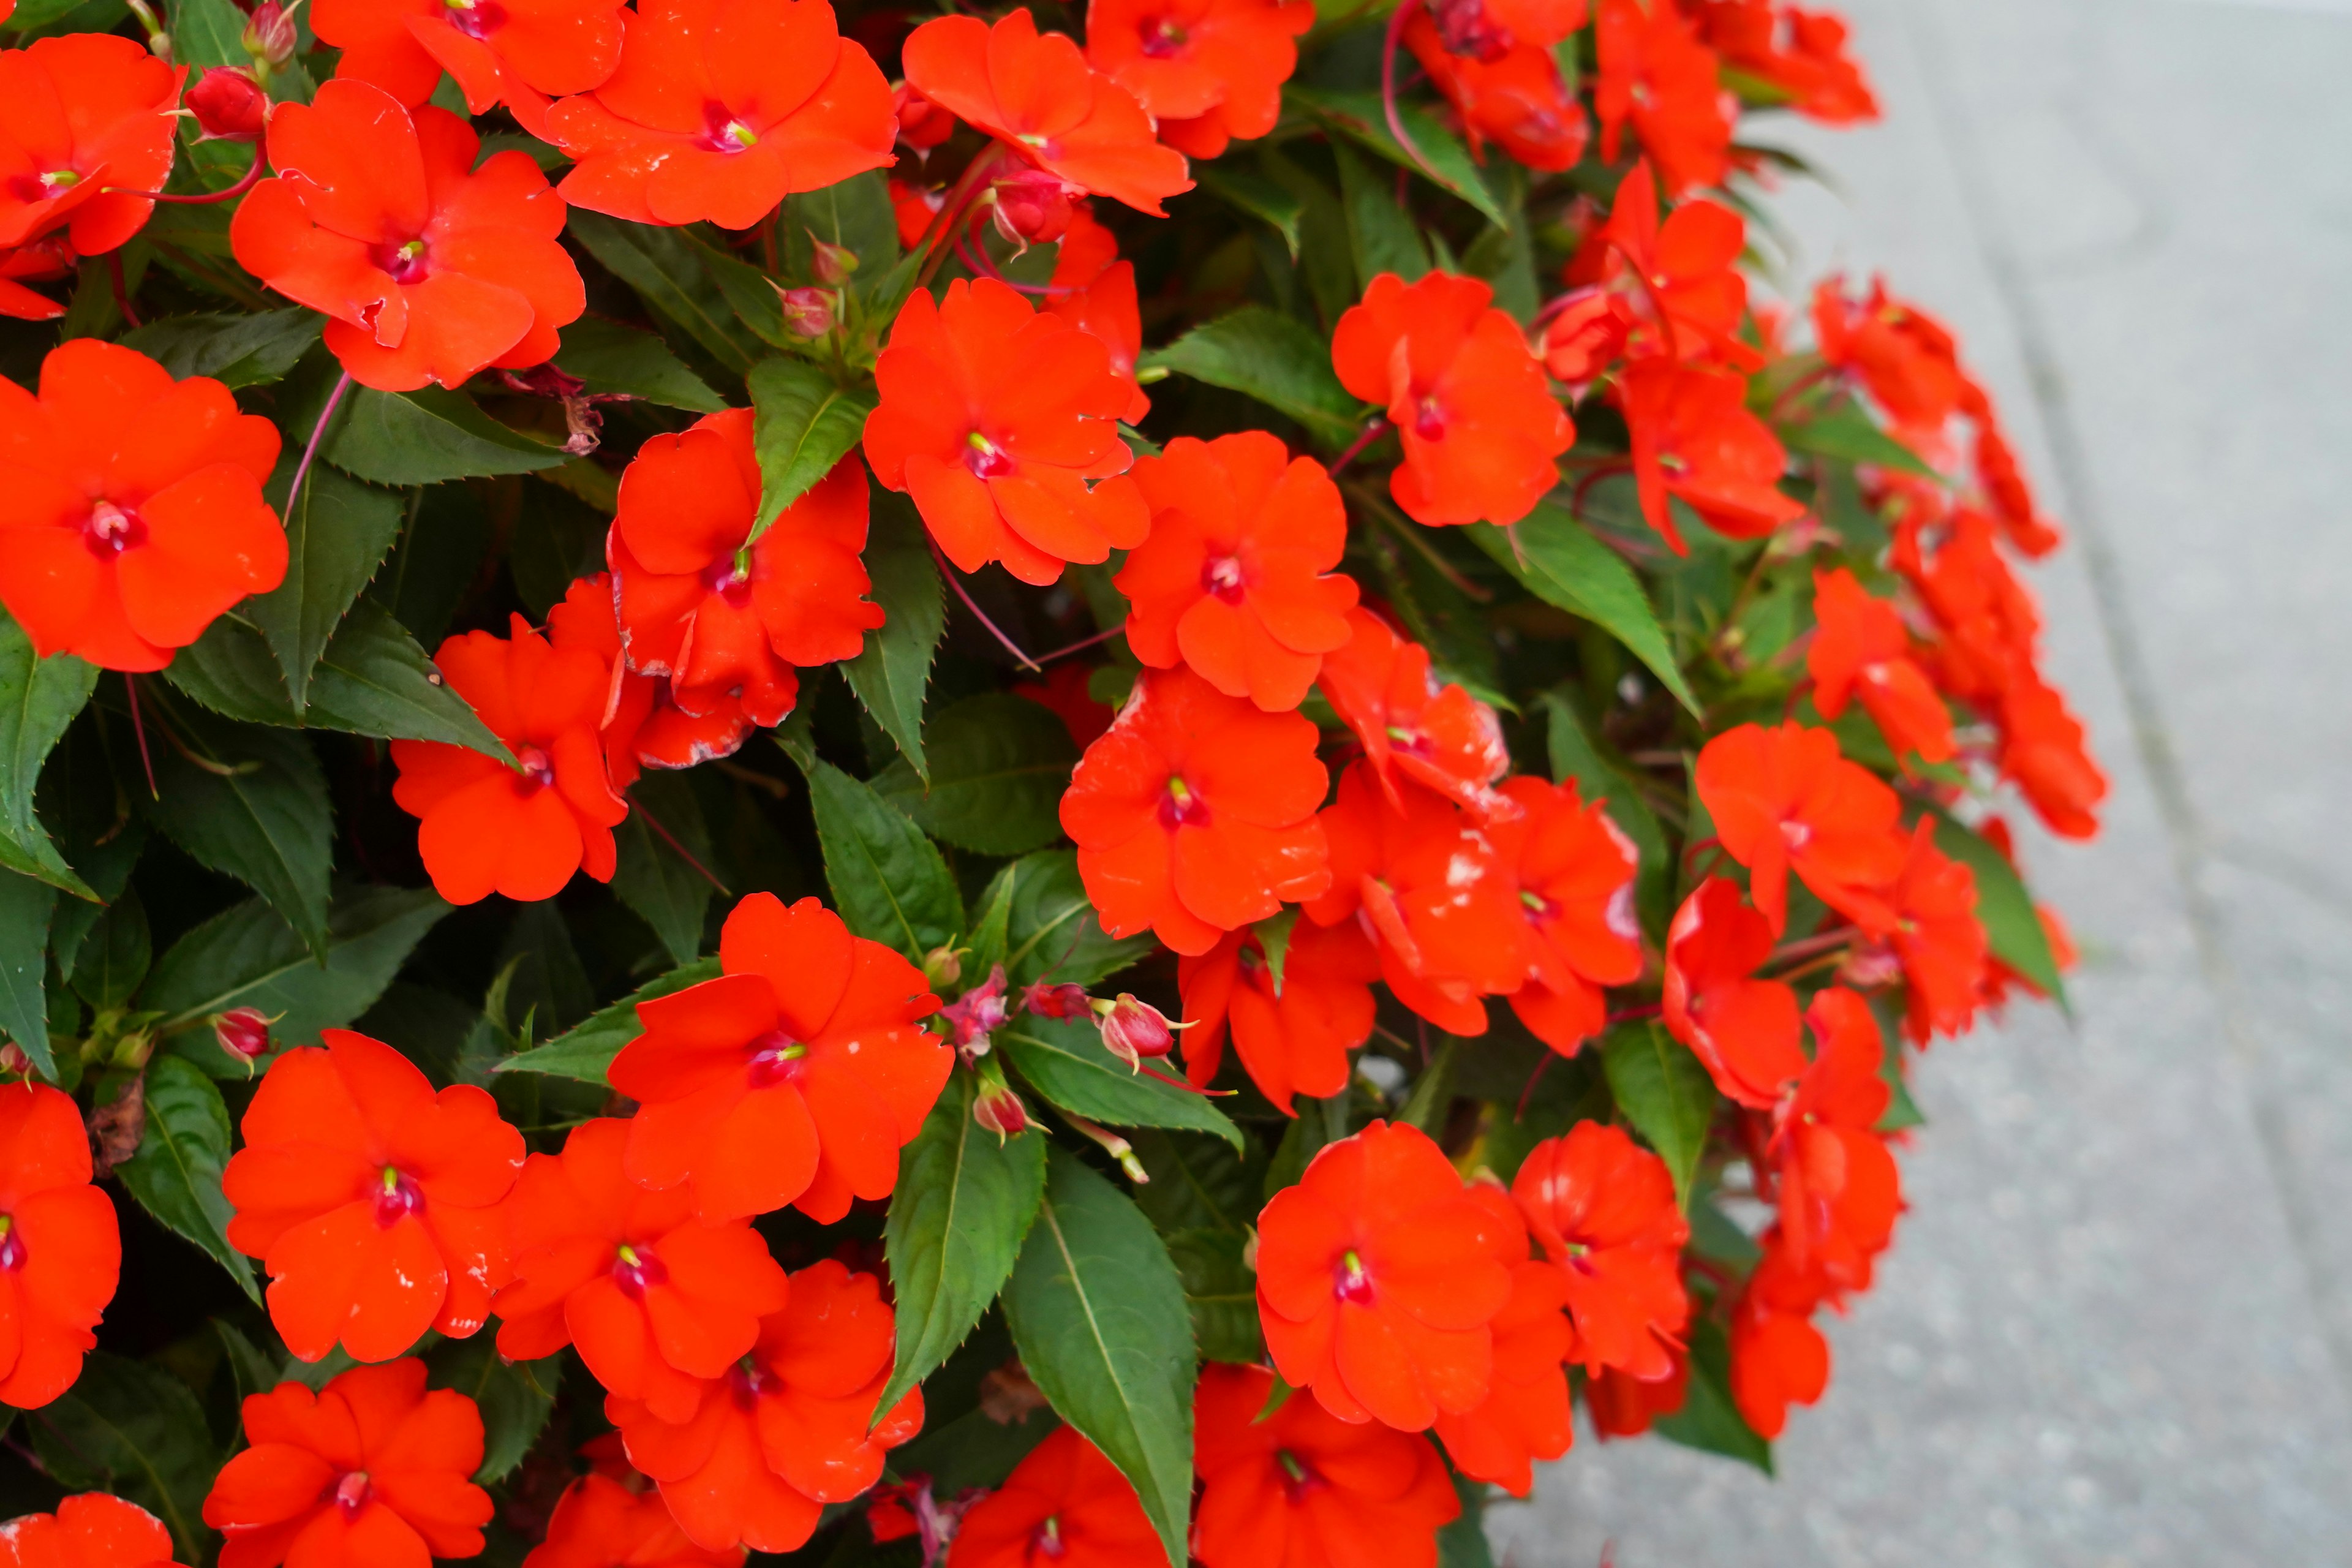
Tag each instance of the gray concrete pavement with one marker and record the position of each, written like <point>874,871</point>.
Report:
<point>2116,1325</point>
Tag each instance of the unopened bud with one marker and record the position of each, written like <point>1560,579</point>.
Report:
<point>997,1108</point>
<point>1030,207</point>
<point>831,263</point>
<point>270,35</point>
<point>228,104</point>
<point>131,1050</point>
<point>1132,1030</point>
<point>1112,1144</point>
<point>1057,1001</point>
<point>243,1032</point>
<point>942,967</point>
<point>808,312</point>
<point>13,1059</point>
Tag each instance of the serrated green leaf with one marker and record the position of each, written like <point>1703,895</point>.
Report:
<point>1000,766</point>
<point>38,699</point>
<point>892,671</point>
<point>803,424</point>
<point>1564,564</point>
<point>855,213</point>
<point>618,361</point>
<point>114,955</point>
<point>653,876</point>
<point>176,1173</point>
<point>25,908</point>
<point>250,802</point>
<point>1360,116</point>
<point>1666,1093</point>
<point>1276,359</point>
<point>337,533</point>
<point>963,1206</point>
<point>1221,1293</point>
<point>1052,932</point>
<point>585,1051</point>
<point>988,933</point>
<point>374,680</point>
<point>2013,929</point>
<point>1383,237</point>
<point>1097,1313</point>
<point>1065,1060</point>
<point>666,270</point>
<point>1850,435</point>
<point>231,671</point>
<point>233,349</point>
<point>425,436</point>
<point>888,879</point>
<point>1260,197</point>
<point>748,293</point>
<point>515,1398</point>
<point>1198,1182</point>
<point>131,1429</point>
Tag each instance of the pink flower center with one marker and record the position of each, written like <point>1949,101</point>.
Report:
<point>1221,577</point>
<point>43,186</point>
<point>538,770</point>
<point>352,1492</point>
<point>12,1245</point>
<point>476,18</point>
<point>110,530</point>
<point>1795,834</point>
<point>730,579</point>
<point>745,1381</point>
<point>1402,739</point>
<point>985,458</point>
<point>403,263</point>
<point>1163,38</point>
<point>395,1200</point>
<point>1047,1541</point>
<point>1181,806</point>
<point>1350,1281</point>
<point>775,1059</point>
<point>635,1268</point>
<point>1429,419</point>
<point>1297,1480</point>
<point>723,132</point>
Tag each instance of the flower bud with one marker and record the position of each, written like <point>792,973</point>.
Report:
<point>14,1059</point>
<point>831,263</point>
<point>1132,1030</point>
<point>228,104</point>
<point>1112,1144</point>
<point>808,312</point>
<point>998,1108</point>
<point>978,1014</point>
<point>942,967</point>
<point>243,1033</point>
<point>270,35</point>
<point>1057,1001</point>
<point>1030,207</point>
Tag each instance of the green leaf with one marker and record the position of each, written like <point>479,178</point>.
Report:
<point>436,561</point>
<point>1279,360</point>
<point>1849,433</point>
<point>514,1397</point>
<point>1000,764</point>
<point>1221,1293</point>
<point>1260,197</point>
<point>666,270</point>
<point>1463,1543</point>
<point>585,1051</point>
<point>203,33</point>
<point>336,536</point>
<point>106,866</point>
<point>374,680</point>
<point>748,293</point>
<point>1198,1183</point>
<point>233,349</point>
<point>892,670</point>
<point>964,1202</point>
<point>652,877</point>
<point>131,1429</point>
<point>422,438</point>
<point>39,697</point>
<point>855,213</point>
<point>254,1372</point>
<point>1382,235</point>
<point>25,908</point>
<point>2013,929</point>
<point>1359,116</point>
<point>619,361</point>
<point>1709,1419</point>
<point>231,671</point>
<point>1065,1060</point>
<point>1567,566</point>
<point>803,424</point>
<point>247,956</point>
<point>250,802</point>
<point>1666,1093</point>
<point>1051,930</point>
<point>988,941</point>
<point>1574,756</point>
<point>176,1173</point>
<point>113,957</point>
<point>888,879</point>
<point>1097,1313</point>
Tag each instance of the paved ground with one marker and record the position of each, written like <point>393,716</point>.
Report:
<point>2116,1327</point>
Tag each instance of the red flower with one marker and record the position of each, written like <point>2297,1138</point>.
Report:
<point>1210,71</point>
<point>1515,98</point>
<point>601,1522</point>
<point>1575,875</point>
<point>1038,96</point>
<point>1194,813</point>
<point>427,268</point>
<point>1743,1028</point>
<point>1603,1210</point>
<point>134,515</point>
<point>372,1471</point>
<point>643,726</point>
<point>1094,291</point>
<point>786,1431</point>
<point>1985,618</point>
<point>1301,1488</point>
<point>1627,1406</point>
<point>2042,748</point>
<point>1293,1038</point>
<point>488,828</point>
<point>1801,52</point>
<point>60,1253</point>
<point>654,1299</point>
<point>994,416</point>
<point>794,1078</point>
<point>1839,1189</point>
<point>1778,1357</point>
<point>1783,800</point>
<point>372,1201</point>
<point>1655,74</point>
<point>1236,580</point>
<point>1860,649</point>
<point>1671,289</point>
<point>1484,28</point>
<point>1379,1279</point>
<point>1525,1415</point>
<point>1480,430</point>
<point>721,109</point>
<point>1695,441</point>
<point>1065,689</point>
<point>1065,1504</point>
<point>92,1529</point>
<point>1906,359</point>
<point>1411,727</point>
<point>1936,935</point>
<point>90,125</point>
<point>40,261</point>
<point>517,52</point>
<point>725,623</point>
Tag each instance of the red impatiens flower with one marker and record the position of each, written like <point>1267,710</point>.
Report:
<point>1293,1037</point>
<point>1803,53</point>
<point>1298,1488</point>
<point>134,515</point>
<point>655,1301</point>
<point>794,1078</point>
<point>1038,97</point>
<point>1627,1406</point>
<point>1236,580</point>
<point>1657,76</point>
<point>1784,799</point>
<point>643,726</point>
<point>727,623</point>
<point>1778,1357</point>
<point>1695,441</point>
<point>1860,650</point>
<point>1480,430</point>
<point>1094,291</point>
<point>90,124</point>
<point>1938,939</point>
<point>1525,1415</point>
<point>372,1201</point>
<point>1908,359</point>
<point>517,52</point>
<point>1194,813</point>
<point>721,109</point>
<point>1839,1188</point>
<point>1515,96</point>
<point>1065,689</point>
<point>1743,1028</point>
<point>60,1252</point>
<point>1379,1279</point>
<point>1064,1504</point>
<point>1487,28</point>
<point>786,1429</point>
<point>1210,71</point>
<point>1603,1210</point>
<point>372,1471</point>
<point>1411,727</point>
<point>92,1529</point>
<point>1675,285</point>
<point>1575,874</point>
<point>488,828</point>
<point>427,268</point>
<point>2042,748</point>
<point>1986,622</point>
<point>41,261</point>
<point>603,1522</point>
<point>994,416</point>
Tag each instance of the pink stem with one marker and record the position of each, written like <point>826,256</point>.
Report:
<point>975,256</point>
<point>122,293</point>
<point>245,183</point>
<point>1082,644</point>
<point>671,839</point>
<point>1374,428</point>
<point>130,685</point>
<point>1397,20</point>
<point>318,433</point>
<point>956,581</point>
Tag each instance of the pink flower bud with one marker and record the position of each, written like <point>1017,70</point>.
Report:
<point>269,35</point>
<point>997,1108</point>
<point>1057,1001</point>
<point>13,1059</point>
<point>831,263</point>
<point>1031,207</point>
<point>808,312</point>
<point>978,1014</point>
<point>228,104</point>
<point>1132,1030</point>
<point>243,1032</point>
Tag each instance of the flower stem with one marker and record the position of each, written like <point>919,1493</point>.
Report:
<point>318,433</point>
<point>955,581</point>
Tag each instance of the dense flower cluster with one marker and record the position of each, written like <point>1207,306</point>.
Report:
<point>1469,596</point>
